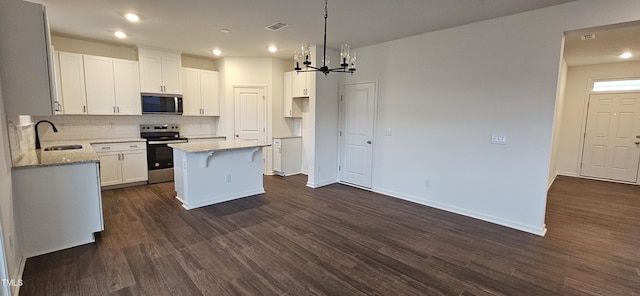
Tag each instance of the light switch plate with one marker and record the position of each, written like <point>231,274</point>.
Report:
<point>387,131</point>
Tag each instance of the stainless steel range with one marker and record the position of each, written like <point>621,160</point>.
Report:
<point>159,155</point>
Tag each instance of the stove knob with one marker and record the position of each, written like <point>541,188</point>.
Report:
<point>157,164</point>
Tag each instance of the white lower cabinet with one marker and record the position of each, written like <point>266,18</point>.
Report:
<point>58,207</point>
<point>287,155</point>
<point>122,163</point>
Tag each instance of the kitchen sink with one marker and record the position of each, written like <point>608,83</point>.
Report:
<point>63,147</point>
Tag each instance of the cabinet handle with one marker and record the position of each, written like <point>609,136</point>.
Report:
<point>118,109</point>
<point>122,156</point>
<point>106,148</point>
<point>84,109</point>
<point>114,109</point>
<point>118,156</point>
<point>290,112</point>
<point>133,146</point>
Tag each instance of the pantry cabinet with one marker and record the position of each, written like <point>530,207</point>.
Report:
<point>160,71</point>
<point>200,92</point>
<point>122,163</point>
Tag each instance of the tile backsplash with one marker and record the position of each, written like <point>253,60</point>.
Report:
<point>101,127</point>
<point>76,127</point>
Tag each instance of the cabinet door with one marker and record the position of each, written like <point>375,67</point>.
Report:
<point>127,87</point>
<point>98,75</point>
<point>209,86</point>
<point>150,73</point>
<point>26,72</point>
<point>134,166</point>
<point>277,155</point>
<point>110,169</point>
<point>72,89</point>
<point>171,74</point>
<point>191,104</point>
<point>299,85</point>
<point>287,99</point>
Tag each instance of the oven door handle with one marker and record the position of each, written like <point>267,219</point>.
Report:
<point>166,142</point>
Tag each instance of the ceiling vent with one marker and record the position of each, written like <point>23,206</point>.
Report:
<point>276,26</point>
<point>588,37</point>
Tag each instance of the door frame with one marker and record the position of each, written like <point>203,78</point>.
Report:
<point>341,122</point>
<point>267,151</point>
<point>583,130</point>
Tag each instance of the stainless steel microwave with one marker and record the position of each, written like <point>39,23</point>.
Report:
<point>161,104</point>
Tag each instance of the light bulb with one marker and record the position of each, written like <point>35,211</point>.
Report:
<point>120,34</point>
<point>132,17</point>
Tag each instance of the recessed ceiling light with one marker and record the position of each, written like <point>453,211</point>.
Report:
<point>132,17</point>
<point>273,48</point>
<point>120,34</point>
<point>626,55</point>
<point>225,31</point>
<point>217,52</point>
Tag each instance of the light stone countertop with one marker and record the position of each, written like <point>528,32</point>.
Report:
<point>287,137</point>
<point>40,158</point>
<point>206,137</point>
<point>216,146</point>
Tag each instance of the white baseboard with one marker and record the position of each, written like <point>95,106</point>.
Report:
<point>318,185</point>
<point>541,230</point>
<point>551,181</point>
<point>15,290</point>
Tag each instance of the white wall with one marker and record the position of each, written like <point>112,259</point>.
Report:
<point>575,109</point>
<point>445,93</point>
<point>12,252</point>
<point>323,120</point>
<point>557,122</point>
<point>253,72</point>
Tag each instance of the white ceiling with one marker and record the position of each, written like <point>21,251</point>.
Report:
<point>193,26</point>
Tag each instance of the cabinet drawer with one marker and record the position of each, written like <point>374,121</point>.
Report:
<point>123,146</point>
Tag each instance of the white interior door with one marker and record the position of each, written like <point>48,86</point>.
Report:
<point>249,107</point>
<point>358,111</point>
<point>612,138</point>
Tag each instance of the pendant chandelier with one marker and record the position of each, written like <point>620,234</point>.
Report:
<point>303,57</point>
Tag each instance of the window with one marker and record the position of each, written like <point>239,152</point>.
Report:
<point>616,85</point>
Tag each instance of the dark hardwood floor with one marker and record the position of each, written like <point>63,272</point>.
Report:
<point>339,240</point>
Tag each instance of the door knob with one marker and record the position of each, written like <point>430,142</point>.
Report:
<point>637,142</point>
<point>237,136</point>
<point>368,142</point>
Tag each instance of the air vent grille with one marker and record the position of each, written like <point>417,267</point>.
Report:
<point>588,37</point>
<point>276,26</point>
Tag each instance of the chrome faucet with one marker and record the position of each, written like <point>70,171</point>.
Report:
<point>55,130</point>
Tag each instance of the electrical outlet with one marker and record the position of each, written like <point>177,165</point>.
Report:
<point>499,139</point>
<point>228,178</point>
<point>427,183</point>
<point>387,132</point>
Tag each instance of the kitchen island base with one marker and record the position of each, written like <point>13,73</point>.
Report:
<point>209,174</point>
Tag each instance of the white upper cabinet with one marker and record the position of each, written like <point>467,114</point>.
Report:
<point>200,94</point>
<point>291,107</point>
<point>300,83</point>
<point>210,92</point>
<point>72,91</point>
<point>101,93</point>
<point>126,79</point>
<point>27,72</point>
<point>112,86</point>
<point>159,71</point>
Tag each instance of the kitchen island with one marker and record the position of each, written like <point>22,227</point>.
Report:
<point>207,173</point>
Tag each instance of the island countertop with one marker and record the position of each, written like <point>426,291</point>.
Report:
<point>216,146</point>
